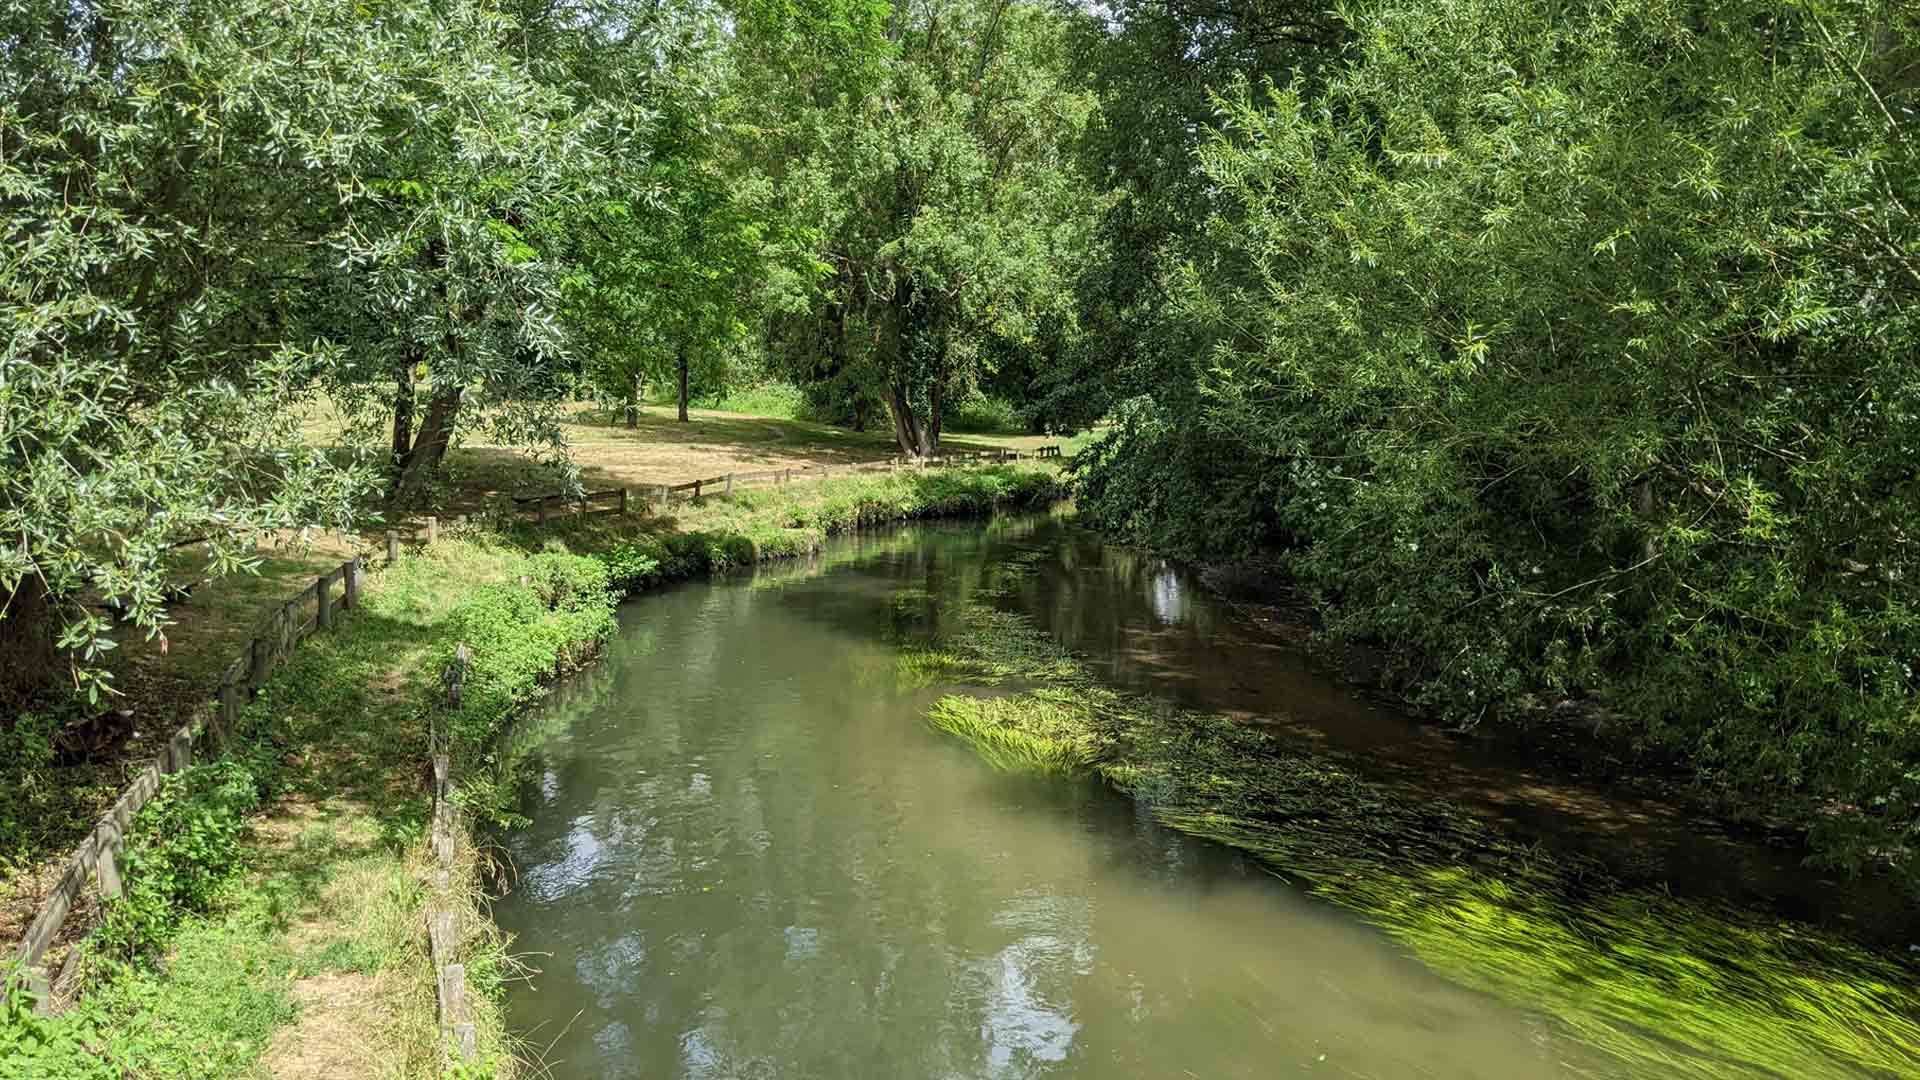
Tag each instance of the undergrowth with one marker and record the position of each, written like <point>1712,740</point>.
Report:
<point>228,909</point>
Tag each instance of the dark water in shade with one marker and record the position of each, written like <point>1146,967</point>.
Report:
<point>750,857</point>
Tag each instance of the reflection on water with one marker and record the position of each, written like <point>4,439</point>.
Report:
<point>749,857</point>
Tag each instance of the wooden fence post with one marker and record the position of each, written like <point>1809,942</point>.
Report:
<point>540,510</point>
<point>323,607</point>
<point>729,484</point>
<point>623,500</point>
<point>350,599</point>
<point>457,675</point>
<point>393,546</point>
<point>696,491</point>
<point>257,675</point>
<point>661,495</point>
<point>229,705</point>
<point>433,528</point>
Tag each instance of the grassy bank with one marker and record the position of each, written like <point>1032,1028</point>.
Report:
<point>1664,987</point>
<point>274,925</point>
<point>764,524</point>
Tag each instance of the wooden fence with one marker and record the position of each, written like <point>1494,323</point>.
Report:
<point>618,500</point>
<point>459,1042</point>
<point>300,616</point>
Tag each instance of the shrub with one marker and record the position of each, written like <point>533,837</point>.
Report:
<point>184,845</point>
<point>569,582</point>
<point>636,564</point>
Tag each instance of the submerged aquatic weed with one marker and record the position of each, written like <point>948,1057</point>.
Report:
<point>1663,986</point>
<point>1045,740</point>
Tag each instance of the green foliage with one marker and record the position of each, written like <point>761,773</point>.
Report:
<point>782,401</point>
<point>948,210</point>
<point>568,582</point>
<point>985,414</point>
<point>636,564</point>
<point>210,1012</point>
<point>517,642</point>
<point>218,210</point>
<point>40,803</point>
<point>1556,350</point>
<point>184,846</point>
<point>1663,986</point>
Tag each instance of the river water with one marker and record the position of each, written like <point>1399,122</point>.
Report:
<point>749,856</point>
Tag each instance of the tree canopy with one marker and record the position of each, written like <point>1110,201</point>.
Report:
<point>1564,352</point>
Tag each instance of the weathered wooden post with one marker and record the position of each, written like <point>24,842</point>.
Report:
<point>257,673</point>
<point>323,608</point>
<point>393,546</point>
<point>105,873</point>
<point>623,500</point>
<point>540,510</point>
<point>661,495</point>
<point>457,675</point>
<point>289,626</point>
<point>350,598</point>
<point>696,491</point>
<point>229,702</point>
<point>729,490</point>
<point>433,528</point>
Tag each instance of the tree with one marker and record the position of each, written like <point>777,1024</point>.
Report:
<point>952,209</point>
<point>1558,354</point>
<point>216,207</point>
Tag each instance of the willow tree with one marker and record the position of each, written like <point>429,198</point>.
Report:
<point>210,209</point>
<point>1569,355</point>
<point>942,172</point>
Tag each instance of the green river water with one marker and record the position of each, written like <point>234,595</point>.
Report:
<point>749,856</point>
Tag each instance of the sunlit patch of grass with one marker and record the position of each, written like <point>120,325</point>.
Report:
<point>1664,986</point>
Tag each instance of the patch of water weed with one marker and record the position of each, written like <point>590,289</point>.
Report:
<point>1665,987</point>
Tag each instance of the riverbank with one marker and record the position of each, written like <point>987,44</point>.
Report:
<point>1665,986</point>
<point>293,946</point>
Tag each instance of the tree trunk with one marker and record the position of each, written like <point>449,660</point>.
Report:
<point>29,657</point>
<point>907,429</point>
<point>936,396</point>
<point>633,401</point>
<point>683,386</point>
<point>403,410</point>
<point>436,433</point>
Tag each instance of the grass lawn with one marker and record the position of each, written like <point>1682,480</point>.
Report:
<point>662,450</point>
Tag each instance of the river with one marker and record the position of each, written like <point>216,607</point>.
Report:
<point>749,856</point>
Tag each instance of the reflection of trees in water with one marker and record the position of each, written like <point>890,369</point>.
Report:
<point>755,918</point>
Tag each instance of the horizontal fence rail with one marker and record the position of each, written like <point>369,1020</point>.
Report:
<point>297,618</point>
<point>618,500</point>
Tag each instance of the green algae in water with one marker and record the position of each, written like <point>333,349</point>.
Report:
<point>1666,987</point>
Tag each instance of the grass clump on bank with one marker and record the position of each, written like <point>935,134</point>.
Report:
<point>1662,986</point>
<point>291,939</point>
<point>757,525</point>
